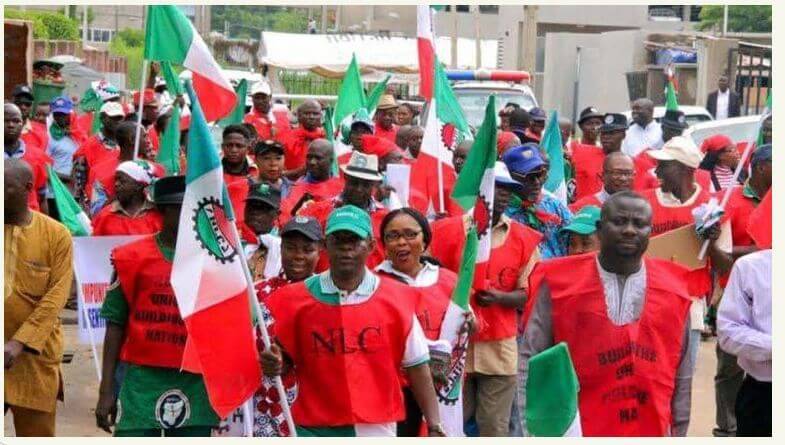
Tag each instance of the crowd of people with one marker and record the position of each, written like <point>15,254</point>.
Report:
<point>356,286</point>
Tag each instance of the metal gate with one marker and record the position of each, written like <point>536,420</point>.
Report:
<point>752,64</point>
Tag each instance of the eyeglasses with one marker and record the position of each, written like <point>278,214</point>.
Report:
<point>531,177</point>
<point>408,235</point>
<point>621,173</point>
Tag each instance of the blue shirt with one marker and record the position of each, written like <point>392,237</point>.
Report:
<point>18,153</point>
<point>62,153</point>
<point>555,242</point>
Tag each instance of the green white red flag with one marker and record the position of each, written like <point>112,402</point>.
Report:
<point>208,279</point>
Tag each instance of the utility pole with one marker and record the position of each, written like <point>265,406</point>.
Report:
<point>725,21</point>
<point>477,41</point>
<point>84,27</point>
<point>116,21</point>
<point>324,19</point>
<point>454,37</point>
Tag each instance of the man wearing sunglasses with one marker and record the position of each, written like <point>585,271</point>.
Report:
<point>537,209</point>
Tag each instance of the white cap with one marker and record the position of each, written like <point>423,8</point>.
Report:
<point>680,149</point>
<point>261,87</point>
<point>502,174</point>
<point>113,109</point>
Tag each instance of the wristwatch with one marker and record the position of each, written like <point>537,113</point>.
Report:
<point>438,428</point>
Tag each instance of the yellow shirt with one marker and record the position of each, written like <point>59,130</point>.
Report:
<point>38,276</point>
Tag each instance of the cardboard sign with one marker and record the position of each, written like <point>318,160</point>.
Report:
<point>681,246</point>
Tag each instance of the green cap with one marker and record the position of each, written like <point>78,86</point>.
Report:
<point>585,221</point>
<point>351,219</point>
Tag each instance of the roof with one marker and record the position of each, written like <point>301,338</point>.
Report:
<point>329,54</point>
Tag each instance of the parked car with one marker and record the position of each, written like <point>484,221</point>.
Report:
<point>692,114</point>
<point>739,129</point>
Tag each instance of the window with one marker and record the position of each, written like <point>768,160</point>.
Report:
<point>458,8</point>
<point>489,9</point>
<point>695,12</point>
<point>99,35</point>
<point>669,13</point>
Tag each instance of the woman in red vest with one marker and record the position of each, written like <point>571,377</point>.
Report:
<point>130,213</point>
<point>634,373</point>
<point>406,236</point>
<point>347,332</point>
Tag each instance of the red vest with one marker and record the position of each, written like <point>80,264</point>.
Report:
<point>645,178</point>
<point>626,373</point>
<point>665,219</point>
<point>390,134</point>
<point>506,264</point>
<point>103,172</point>
<point>264,128</point>
<point>587,160</point>
<point>94,151</point>
<point>320,191</point>
<point>155,334</point>
<point>590,200</point>
<point>296,143</point>
<point>738,210</point>
<point>110,223</point>
<point>321,211</point>
<point>237,187</point>
<point>38,161</point>
<point>334,347</point>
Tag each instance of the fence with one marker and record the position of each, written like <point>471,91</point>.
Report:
<point>99,60</point>
<point>304,82</point>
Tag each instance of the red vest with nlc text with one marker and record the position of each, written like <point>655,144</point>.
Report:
<point>346,357</point>
<point>155,333</point>
<point>627,373</point>
<point>665,219</point>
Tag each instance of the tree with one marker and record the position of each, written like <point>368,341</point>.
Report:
<point>246,21</point>
<point>129,43</point>
<point>740,18</point>
<point>47,25</point>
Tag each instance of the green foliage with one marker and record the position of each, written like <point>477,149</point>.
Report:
<point>129,43</point>
<point>47,25</point>
<point>75,12</point>
<point>740,18</point>
<point>247,21</point>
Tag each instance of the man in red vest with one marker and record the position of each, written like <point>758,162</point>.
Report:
<point>129,212</point>
<point>318,184</point>
<point>349,316</point>
<point>150,108</point>
<point>239,169</point>
<point>491,360</point>
<point>17,148</point>
<point>34,134</point>
<point>261,116</point>
<point>362,180</point>
<point>587,159</point>
<point>145,330</point>
<point>385,118</point>
<point>618,171</point>
<point>742,202</point>
<point>296,141</point>
<point>635,373</point>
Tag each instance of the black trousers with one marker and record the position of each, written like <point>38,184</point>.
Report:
<point>753,409</point>
<point>410,426</point>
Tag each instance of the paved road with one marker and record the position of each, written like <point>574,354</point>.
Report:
<point>76,417</point>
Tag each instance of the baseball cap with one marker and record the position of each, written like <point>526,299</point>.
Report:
<point>613,122</point>
<point>148,99</point>
<point>588,113</point>
<point>263,147</point>
<point>762,154</point>
<point>266,194</point>
<point>363,166</point>
<point>23,90</point>
<point>307,226</point>
<point>113,109</point>
<point>538,114</point>
<point>349,218</point>
<point>502,175</point>
<point>585,221</point>
<point>61,104</point>
<point>679,149</point>
<point>523,159</point>
<point>169,190</point>
<point>261,87</point>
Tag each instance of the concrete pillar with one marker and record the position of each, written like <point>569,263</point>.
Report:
<point>712,62</point>
<point>528,40</point>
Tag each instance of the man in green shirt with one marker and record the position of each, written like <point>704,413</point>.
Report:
<point>145,330</point>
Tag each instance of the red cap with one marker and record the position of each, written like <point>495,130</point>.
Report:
<point>374,145</point>
<point>149,97</point>
<point>503,140</point>
<point>716,143</point>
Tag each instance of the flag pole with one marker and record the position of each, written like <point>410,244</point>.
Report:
<point>265,335</point>
<point>140,109</point>
<point>85,315</point>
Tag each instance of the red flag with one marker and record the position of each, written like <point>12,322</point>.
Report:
<point>425,50</point>
<point>759,224</point>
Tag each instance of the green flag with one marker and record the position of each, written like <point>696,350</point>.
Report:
<point>237,115</point>
<point>552,144</point>
<point>766,114</point>
<point>448,109</point>
<point>173,83</point>
<point>552,394</point>
<point>169,153</point>
<point>327,122</point>
<point>71,215</point>
<point>376,94</point>
<point>477,176</point>
<point>351,95</point>
<point>671,103</point>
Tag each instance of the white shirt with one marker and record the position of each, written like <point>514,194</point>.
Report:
<point>427,276</point>
<point>722,104</point>
<point>638,138</point>
<point>744,315</point>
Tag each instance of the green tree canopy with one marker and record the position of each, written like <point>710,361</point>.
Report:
<point>246,21</point>
<point>47,25</point>
<point>753,18</point>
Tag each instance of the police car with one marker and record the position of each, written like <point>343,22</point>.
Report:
<point>472,89</point>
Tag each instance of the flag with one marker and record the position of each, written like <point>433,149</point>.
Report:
<point>445,128</point>
<point>450,395</point>
<point>169,153</point>
<point>170,37</point>
<point>425,50</point>
<point>759,224</point>
<point>552,394</point>
<point>208,278</point>
<point>173,83</point>
<point>552,144</point>
<point>237,115</point>
<point>71,215</point>
<point>475,185</point>
<point>375,95</point>
<point>766,114</point>
<point>351,96</point>
<point>671,90</point>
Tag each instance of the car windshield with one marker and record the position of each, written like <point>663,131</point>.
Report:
<point>738,132</point>
<point>473,103</point>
